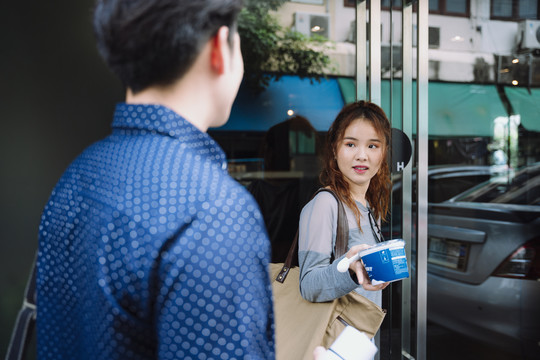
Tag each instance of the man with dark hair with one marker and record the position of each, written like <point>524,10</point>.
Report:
<point>147,247</point>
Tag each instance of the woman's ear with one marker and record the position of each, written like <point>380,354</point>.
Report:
<point>220,46</point>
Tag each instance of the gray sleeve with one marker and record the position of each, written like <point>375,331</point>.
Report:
<point>319,279</point>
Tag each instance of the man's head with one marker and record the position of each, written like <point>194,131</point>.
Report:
<point>155,42</point>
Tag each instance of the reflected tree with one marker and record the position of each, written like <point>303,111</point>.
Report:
<point>271,50</point>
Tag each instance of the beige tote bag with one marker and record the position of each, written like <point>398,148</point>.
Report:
<point>301,325</point>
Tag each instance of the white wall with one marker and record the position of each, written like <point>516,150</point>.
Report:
<point>462,40</point>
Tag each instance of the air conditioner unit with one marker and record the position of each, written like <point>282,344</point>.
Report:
<point>529,34</point>
<point>312,24</point>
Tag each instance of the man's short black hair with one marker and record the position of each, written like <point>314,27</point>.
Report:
<point>154,42</point>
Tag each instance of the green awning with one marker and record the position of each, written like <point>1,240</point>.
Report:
<point>463,109</point>
<point>526,103</point>
<point>457,109</point>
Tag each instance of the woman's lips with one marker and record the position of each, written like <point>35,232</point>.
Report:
<point>360,169</point>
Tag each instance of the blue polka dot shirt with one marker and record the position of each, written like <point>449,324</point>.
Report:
<point>148,249</point>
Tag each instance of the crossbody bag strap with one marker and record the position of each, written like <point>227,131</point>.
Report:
<point>26,318</point>
<point>342,231</point>
<point>342,238</point>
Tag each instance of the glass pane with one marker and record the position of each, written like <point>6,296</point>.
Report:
<point>456,6</point>
<point>484,194</point>
<point>274,136</point>
<point>434,5</point>
<point>528,9</point>
<point>273,142</point>
<point>395,3</point>
<point>502,8</point>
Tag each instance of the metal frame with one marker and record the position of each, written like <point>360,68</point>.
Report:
<point>375,51</point>
<point>368,86</point>
<point>422,176</point>
<point>361,51</point>
<point>407,111</point>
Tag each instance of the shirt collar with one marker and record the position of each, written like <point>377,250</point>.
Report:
<point>159,119</point>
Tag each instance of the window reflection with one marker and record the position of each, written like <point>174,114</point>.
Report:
<point>281,172</point>
<point>484,150</point>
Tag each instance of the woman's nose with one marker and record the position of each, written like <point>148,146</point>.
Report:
<point>361,154</point>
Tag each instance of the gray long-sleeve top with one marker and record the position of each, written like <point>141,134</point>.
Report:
<point>319,279</point>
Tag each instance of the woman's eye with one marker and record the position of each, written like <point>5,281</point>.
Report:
<point>373,146</point>
<point>349,145</point>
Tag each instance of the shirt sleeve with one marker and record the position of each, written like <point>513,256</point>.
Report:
<point>319,278</point>
<point>215,297</point>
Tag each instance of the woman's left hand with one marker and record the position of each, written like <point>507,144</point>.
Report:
<point>358,268</point>
<point>364,279</point>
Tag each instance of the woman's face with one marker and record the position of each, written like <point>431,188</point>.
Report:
<point>359,154</point>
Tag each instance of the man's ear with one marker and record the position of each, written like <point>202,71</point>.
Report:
<point>219,48</point>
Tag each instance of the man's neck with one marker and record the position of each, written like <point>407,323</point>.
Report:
<point>173,97</point>
<point>198,96</point>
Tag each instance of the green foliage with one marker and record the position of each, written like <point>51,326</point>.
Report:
<point>271,51</point>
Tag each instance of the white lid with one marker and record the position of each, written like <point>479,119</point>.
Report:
<point>390,244</point>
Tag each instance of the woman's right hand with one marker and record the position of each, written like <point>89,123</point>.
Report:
<point>358,268</point>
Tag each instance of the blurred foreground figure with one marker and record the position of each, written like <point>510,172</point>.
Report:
<point>147,248</point>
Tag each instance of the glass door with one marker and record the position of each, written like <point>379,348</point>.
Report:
<point>392,70</point>
<point>373,50</point>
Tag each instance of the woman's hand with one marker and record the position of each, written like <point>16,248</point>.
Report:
<point>358,268</point>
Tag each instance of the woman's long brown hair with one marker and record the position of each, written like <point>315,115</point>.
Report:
<point>378,193</point>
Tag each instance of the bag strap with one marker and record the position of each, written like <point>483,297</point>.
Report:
<point>378,235</point>
<point>342,238</point>
<point>26,319</point>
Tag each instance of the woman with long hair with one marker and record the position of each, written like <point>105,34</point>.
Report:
<point>355,168</point>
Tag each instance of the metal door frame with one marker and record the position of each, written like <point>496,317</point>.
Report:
<point>368,86</point>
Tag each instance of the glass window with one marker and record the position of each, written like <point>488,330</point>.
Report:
<point>385,4</point>
<point>501,8</point>
<point>457,6</point>
<point>514,9</point>
<point>522,187</point>
<point>528,9</point>
<point>434,5</point>
<point>447,7</point>
<point>396,4</point>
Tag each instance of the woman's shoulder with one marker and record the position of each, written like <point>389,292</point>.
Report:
<point>323,200</point>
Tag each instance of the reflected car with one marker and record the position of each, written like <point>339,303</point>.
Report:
<point>444,182</point>
<point>484,262</point>
<point>447,181</point>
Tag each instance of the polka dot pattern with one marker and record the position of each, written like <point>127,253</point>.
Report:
<point>148,249</point>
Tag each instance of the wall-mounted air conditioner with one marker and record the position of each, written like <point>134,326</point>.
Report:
<point>312,24</point>
<point>529,34</point>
